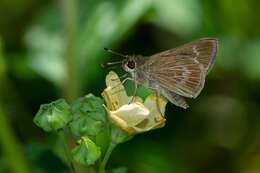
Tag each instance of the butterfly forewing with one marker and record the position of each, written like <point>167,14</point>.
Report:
<point>203,50</point>
<point>182,70</point>
<point>182,75</point>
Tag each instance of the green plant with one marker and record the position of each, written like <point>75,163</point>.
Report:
<point>98,128</point>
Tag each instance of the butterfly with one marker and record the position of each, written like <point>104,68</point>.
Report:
<point>176,73</point>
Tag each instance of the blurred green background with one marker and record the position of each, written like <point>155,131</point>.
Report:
<point>52,49</point>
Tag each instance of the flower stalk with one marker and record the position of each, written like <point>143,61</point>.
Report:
<point>103,163</point>
<point>64,136</point>
<point>72,85</point>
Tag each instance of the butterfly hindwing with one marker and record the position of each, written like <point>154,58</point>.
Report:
<point>174,98</point>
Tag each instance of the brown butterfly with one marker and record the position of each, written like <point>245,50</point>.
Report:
<point>174,73</point>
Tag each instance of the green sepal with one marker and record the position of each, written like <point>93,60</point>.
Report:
<point>86,152</point>
<point>53,116</point>
<point>118,135</point>
<point>89,116</point>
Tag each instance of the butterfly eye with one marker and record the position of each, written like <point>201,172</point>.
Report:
<point>131,64</point>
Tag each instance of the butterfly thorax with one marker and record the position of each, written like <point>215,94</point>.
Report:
<point>138,68</point>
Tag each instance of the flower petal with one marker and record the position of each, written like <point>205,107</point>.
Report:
<point>128,116</point>
<point>150,103</point>
<point>156,118</point>
<point>115,94</point>
<point>133,113</point>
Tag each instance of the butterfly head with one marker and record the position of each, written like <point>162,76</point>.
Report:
<point>129,64</point>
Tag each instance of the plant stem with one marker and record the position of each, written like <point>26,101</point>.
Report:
<point>72,84</point>
<point>11,147</point>
<point>103,163</point>
<point>68,142</point>
<point>9,144</point>
<point>64,138</point>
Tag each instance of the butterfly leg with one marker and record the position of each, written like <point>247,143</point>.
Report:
<point>119,78</point>
<point>123,81</point>
<point>135,92</point>
<point>158,102</point>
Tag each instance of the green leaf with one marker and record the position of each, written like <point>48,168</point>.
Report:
<point>46,45</point>
<point>89,116</point>
<point>100,23</point>
<point>53,116</point>
<point>91,105</point>
<point>87,152</point>
<point>108,22</point>
<point>185,16</point>
<point>94,107</point>
<point>86,126</point>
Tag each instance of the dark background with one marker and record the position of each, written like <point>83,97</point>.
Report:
<point>52,49</point>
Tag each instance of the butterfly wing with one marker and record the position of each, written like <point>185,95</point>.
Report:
<point>182,70</point>
<point>175,98</point>
<point>203,50</point>
<point>181,75</point>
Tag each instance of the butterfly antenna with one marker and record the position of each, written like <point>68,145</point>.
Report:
<point>109,64</point>
<point>113,52</point>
